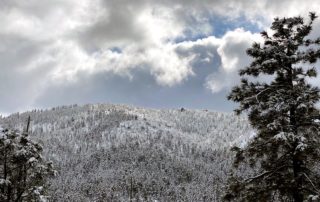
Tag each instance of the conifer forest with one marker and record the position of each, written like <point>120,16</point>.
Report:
<point>159,101</point>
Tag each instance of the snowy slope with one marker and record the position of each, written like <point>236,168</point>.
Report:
<point>117,152</point>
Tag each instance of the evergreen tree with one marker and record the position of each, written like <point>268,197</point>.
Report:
<point>286,147</point>
<point>23,172</point>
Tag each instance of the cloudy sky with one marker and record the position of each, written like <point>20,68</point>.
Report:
<point>152,53</point>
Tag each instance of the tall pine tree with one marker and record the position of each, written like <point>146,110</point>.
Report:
<point>286,148</point>
<point>23,171</point>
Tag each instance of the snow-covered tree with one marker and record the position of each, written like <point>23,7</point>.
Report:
<point>23,172</point>
<point>107,152</point>
<point>285,149</point>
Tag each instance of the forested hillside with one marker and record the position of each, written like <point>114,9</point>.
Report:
<point>117,153</point>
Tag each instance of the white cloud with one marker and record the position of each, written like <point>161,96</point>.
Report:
<point>231,49</point>
<point>55,41</point>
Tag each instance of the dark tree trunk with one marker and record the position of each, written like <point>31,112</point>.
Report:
<point>296,162</point>
<point>297,195</point>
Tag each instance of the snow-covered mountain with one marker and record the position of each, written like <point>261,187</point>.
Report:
<point>107,152</point>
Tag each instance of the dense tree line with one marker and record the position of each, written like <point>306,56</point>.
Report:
<point>118,153</point>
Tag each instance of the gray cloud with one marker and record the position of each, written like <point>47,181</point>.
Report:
<point>71,51</point>
<point>141,90</point>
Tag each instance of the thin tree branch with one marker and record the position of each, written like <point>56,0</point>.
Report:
<point>318,192</point>
<point>269,173</point>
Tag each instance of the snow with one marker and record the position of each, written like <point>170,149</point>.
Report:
<point>7,142</point>
<point>21,152</point>
<point>243,140</point>
<point>269,62</point>
<point>4,182</point>
<point>93,147</point>
<point>32,159</point>
<point>313,197</point>
<point>301,146</point>
<point>280,136</point>
<point>2,136</point>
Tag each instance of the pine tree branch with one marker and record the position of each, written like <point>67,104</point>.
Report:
<point>269,173</point>
<point>269,88</point>
<point>317,191</point>
<point>287,103</point>
<point>281,157</point>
